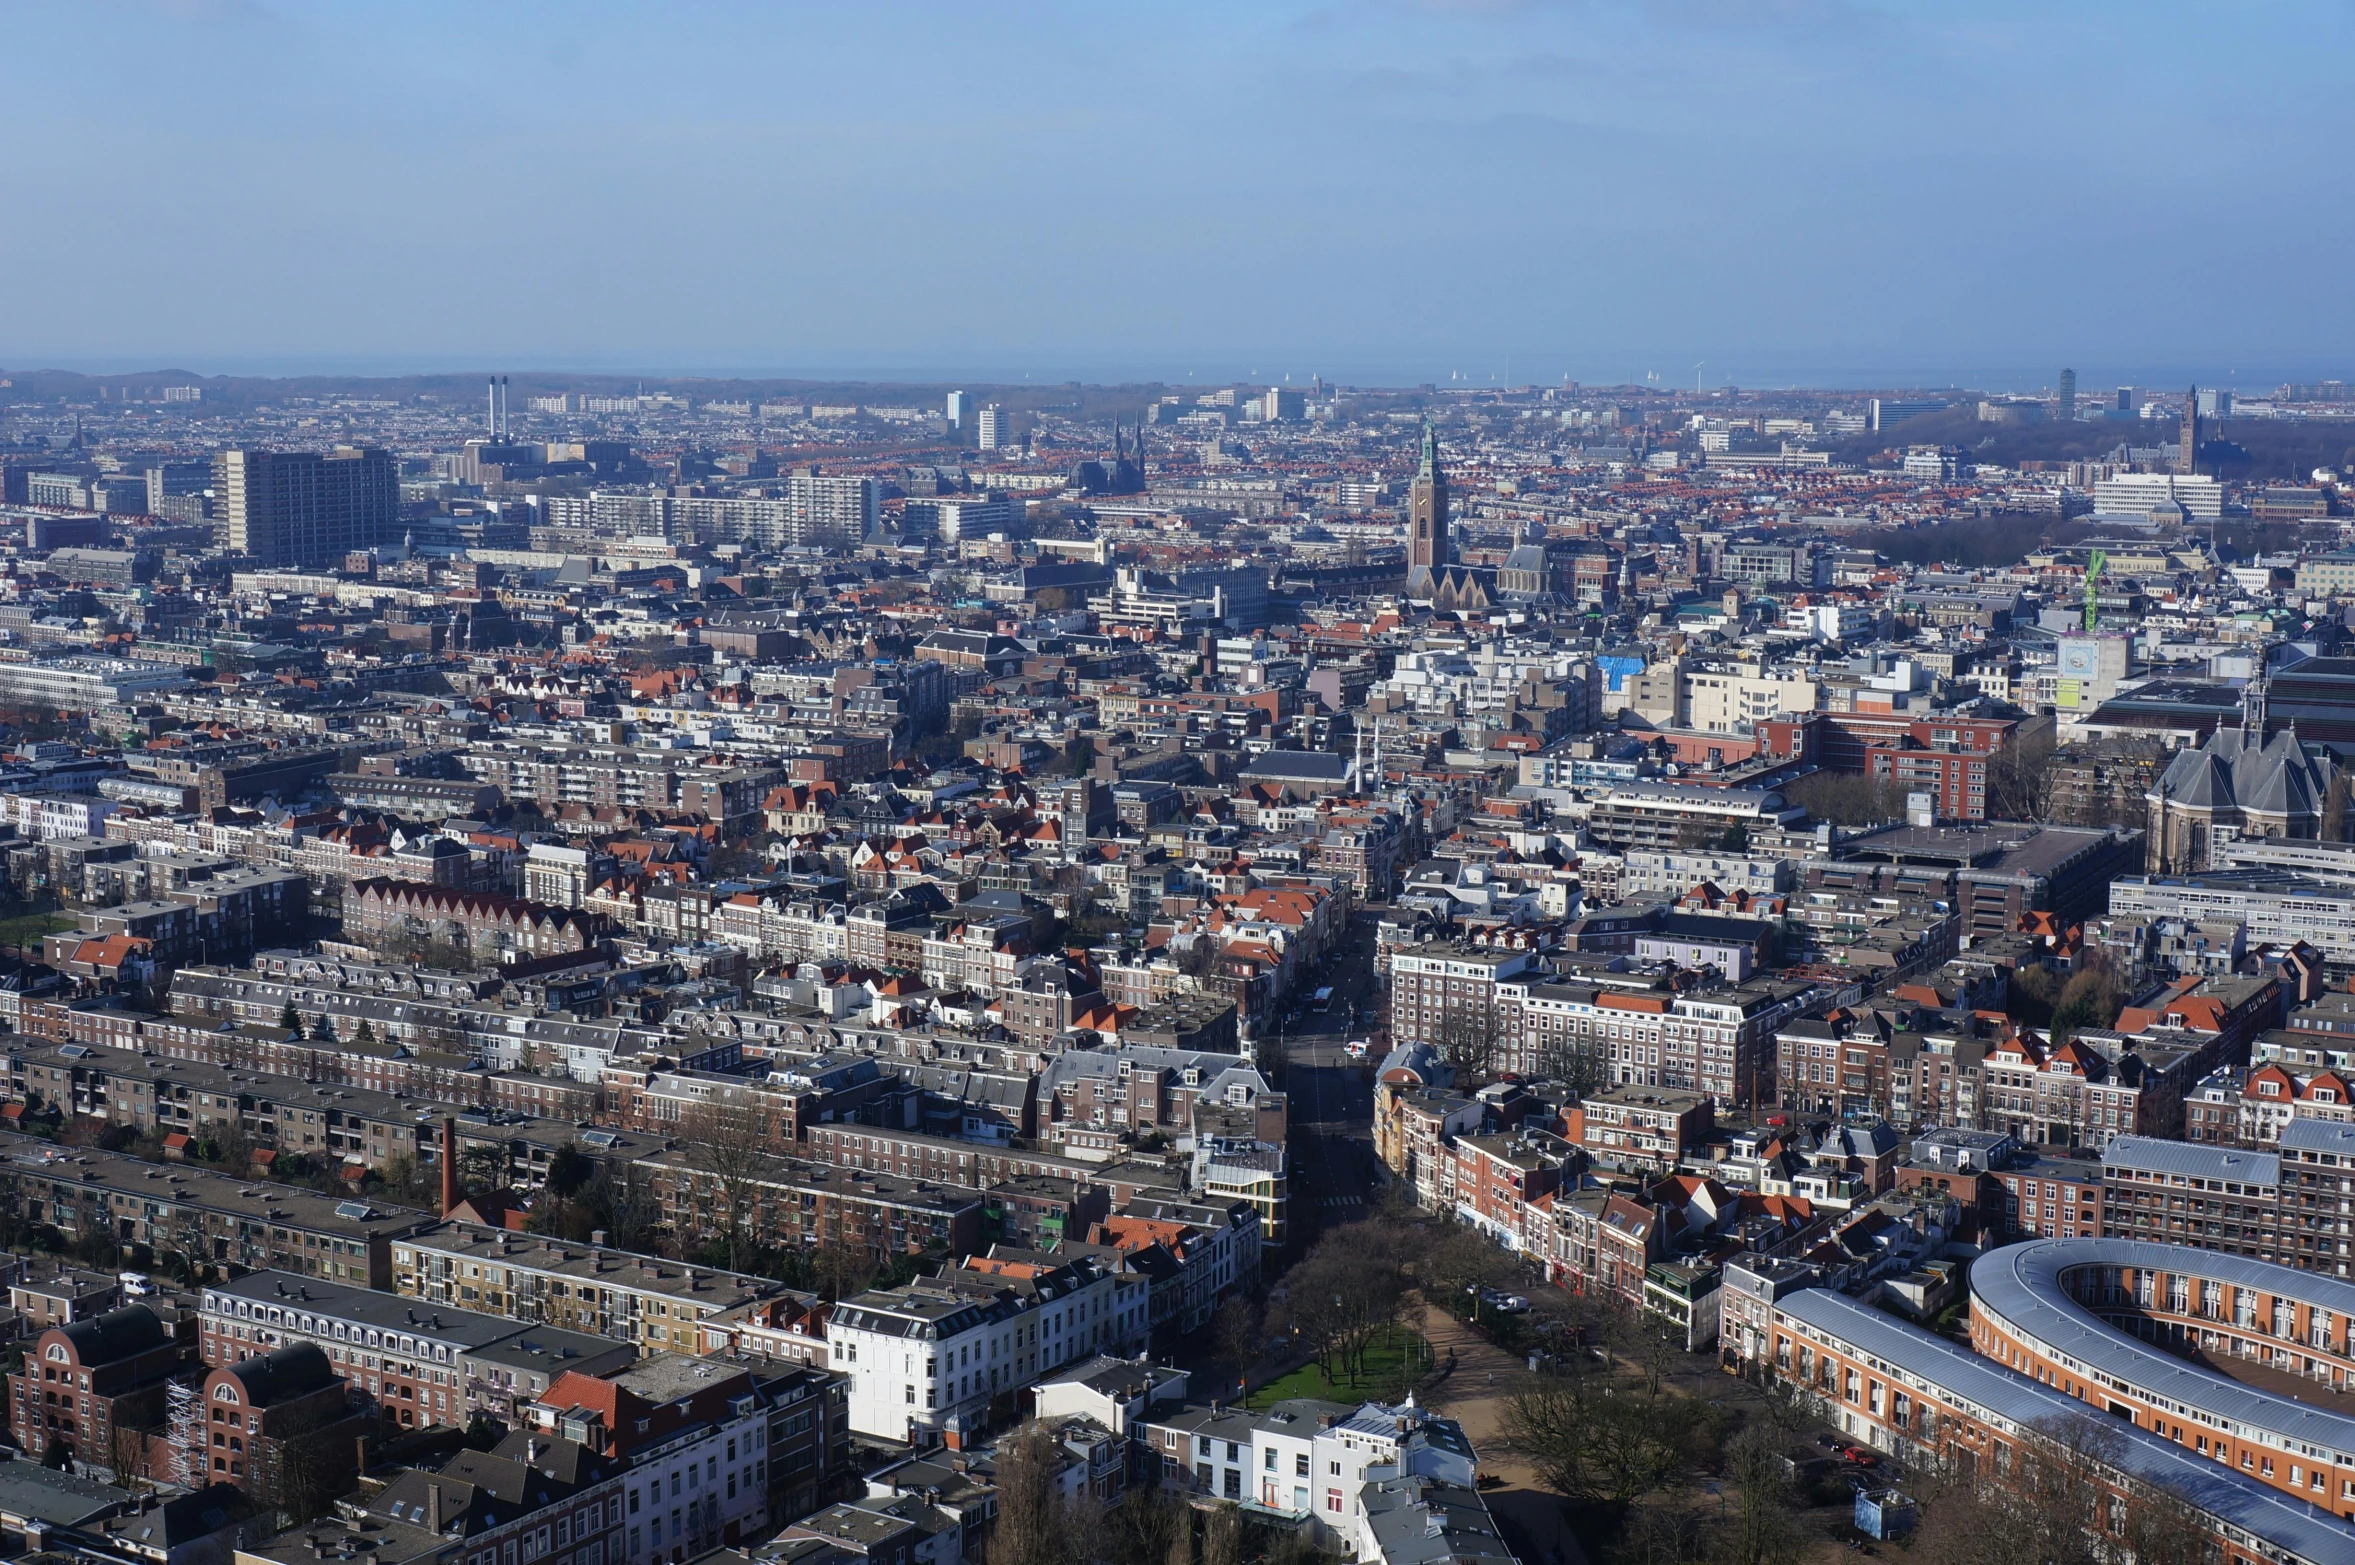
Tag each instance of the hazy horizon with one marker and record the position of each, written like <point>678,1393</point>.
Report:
<point>1827,192</point>
<point>1242,368</point>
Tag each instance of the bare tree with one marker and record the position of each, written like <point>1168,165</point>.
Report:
<point>1466,1038</point>
<point>2163,1528</point>
<point>1237,1325</point>
<point>1607,1444</point>
<point>1760,1530</point>
<point>126,1453</point>
<point>1036,1524</point>
<point>2042,1499</point>
<point>624,1196</point>
<point>2021,778</point>
<point>1577,1063</point>
<point>1151,1526</point>
<point>1222,1536</point>
<point>733,1142</point>
<point>1181,1538</point>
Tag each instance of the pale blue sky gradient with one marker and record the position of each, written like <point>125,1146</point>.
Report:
<point>1833,191</point>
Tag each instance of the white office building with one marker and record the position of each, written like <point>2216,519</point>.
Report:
<point>2134,494</point>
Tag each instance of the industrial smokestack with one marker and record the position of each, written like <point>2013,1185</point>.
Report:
<point>494,396</point>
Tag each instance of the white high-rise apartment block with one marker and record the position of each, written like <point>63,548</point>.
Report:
<point>991,428</point>
<point>956,407</point>
<point>832,510</point>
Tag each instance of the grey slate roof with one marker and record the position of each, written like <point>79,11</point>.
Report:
<point>2258,1509</point>
<point>1303,765</point>
<point>2021,1284</point>
<point>2305,1133</point>
<point>35,1493</point>
<point>2151,1155</point>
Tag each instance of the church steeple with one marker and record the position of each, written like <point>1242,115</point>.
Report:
<point>1428,550</point>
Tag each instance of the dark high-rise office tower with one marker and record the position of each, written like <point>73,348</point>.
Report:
<point>2068,409</point>
<point>1427,547</point>
<point>2186,458</point>
<point>306,508</point>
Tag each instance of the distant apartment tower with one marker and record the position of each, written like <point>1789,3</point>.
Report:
<point>307,508</point>
<point>831,510</point>
<point>1283,405</point>
<point>991,428</point>
<point>955,408</point>
<point>173,479</point>
<point>960,518</point>
<point>1889,412</point>
<point>2068,409</point>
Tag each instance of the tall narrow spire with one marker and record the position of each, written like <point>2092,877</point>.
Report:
<point>1428,551</point>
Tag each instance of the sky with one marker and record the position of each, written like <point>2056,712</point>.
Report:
<point>1815,192</point>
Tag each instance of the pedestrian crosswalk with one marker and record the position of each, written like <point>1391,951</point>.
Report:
<point>1340,1200</point>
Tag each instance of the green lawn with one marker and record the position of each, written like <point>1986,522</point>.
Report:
<point>1394,1363</point>
<point>30,927</point>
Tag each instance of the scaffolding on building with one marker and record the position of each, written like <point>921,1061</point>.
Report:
<point>184,1417</point>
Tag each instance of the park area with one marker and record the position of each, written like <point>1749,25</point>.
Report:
<point>1390,1365</point>
<point>1602,1442</point>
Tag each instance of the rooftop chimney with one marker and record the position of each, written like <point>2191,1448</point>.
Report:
<point>449,1164</point>
<point>433,1506</point>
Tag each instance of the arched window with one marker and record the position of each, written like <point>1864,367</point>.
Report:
<point>56,1354</point>
<point>225,1392</point>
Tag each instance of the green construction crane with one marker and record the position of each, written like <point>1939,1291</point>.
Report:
<point>2093,574</point>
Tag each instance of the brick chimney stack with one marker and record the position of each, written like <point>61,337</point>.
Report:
<point>450,1191</point>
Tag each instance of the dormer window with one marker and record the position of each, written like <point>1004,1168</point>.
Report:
<point>2270,1089</point>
